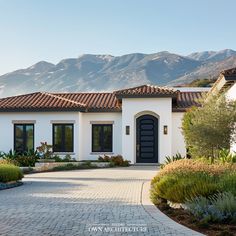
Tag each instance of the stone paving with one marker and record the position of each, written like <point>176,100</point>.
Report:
<point>112,201</point>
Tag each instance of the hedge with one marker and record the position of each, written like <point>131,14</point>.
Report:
<point>9,173</point>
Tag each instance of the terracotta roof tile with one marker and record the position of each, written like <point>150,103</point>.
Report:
<point>187,99</point>
<point>94,101</point>
<point>39,101</point>
<point>100,102</point>
<point>146,90</point>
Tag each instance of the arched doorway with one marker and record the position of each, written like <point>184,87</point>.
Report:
<point>147,139</point>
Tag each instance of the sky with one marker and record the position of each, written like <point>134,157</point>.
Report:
<point>51,30</point>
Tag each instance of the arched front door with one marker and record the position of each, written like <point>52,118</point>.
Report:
<point>147,139</point>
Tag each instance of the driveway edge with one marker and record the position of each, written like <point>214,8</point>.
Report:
<point>160,217</point>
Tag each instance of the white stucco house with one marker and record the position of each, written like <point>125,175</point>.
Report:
<point>226,83</point>
<point>143,123</point>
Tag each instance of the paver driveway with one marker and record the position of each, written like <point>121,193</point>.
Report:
<point>83,202</point>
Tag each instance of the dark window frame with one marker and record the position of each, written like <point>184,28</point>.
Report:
<point>24,135</point>
<point>102,138</point>
<point>63,138</point>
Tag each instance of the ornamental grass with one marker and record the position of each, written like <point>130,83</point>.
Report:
<point>10,173</point>
<point>193,166</point>
<point>186,179</point>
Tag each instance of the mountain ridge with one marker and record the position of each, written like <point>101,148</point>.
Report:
<point>104,72</point>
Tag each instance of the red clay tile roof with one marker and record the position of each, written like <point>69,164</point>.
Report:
<point>39,101</point>
<point>94,101</point>
<point>90,102</point>
<point>229,78</point>
<point>146,91</point>
<point>186,100</point>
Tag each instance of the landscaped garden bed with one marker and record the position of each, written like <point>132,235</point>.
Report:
<point>185,218</point>
<point>43,159</point>
<point>200,192</point>
<point>197,194</point>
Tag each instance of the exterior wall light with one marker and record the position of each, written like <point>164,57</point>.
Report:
<point>165,129</point>
<point>127,129</point>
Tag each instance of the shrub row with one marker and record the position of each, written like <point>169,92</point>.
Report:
<point>114,160</point>
<point>195,183</point>
<point>9,173</point>
<point>186,179</point>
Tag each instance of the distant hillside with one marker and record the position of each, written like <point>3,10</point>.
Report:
<point>106,72</point>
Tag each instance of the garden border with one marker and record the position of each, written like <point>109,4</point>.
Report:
<point>4,186</point>
<point>159,216</point>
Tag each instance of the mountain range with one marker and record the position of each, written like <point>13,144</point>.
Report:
<point>106,72</point>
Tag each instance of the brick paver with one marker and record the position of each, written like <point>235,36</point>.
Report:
<point>84,202</point>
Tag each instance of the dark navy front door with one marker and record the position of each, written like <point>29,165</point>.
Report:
<point>147,139</point>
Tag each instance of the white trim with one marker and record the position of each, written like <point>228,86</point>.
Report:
<point>62,121</point>
<point>23,121</point>
<point>102,122</point>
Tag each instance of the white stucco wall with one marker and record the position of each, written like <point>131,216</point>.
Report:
<point>135,107</point>
<point>231,94</point>
<point>42,127</point>
<point>85,135</point>
<point>178,144</point>
<point>123,144</point>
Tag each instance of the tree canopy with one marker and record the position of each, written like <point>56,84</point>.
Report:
<point>209,128</point>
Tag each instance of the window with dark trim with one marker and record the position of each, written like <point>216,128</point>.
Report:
<point>101,138</point>
<point>63,140</point>
<point>23,137</point>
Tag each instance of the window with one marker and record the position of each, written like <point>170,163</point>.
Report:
<point>23,137</point>
<point>101,138</point>
<point>63,137</point>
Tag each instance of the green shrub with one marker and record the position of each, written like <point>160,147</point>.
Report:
<point>25,159</point>
<point>70,166</point>
<point>9,173</point>
<point>220,207</point>
<point>179,188</point>
<point>183,180</point>
<point>67,158</point>
<point>227,182</point>
<point>117,160</point>
<point>226,156</point>
<point>170,159</point>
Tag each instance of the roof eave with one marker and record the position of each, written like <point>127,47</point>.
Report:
<point>41,109</point>
<point>230,77</point>
<point>104,110</point>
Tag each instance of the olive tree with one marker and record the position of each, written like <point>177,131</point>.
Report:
<point>210,127</point>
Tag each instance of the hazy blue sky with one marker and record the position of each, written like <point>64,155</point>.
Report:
<point>34,30</point>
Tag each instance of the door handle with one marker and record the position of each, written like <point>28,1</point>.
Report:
<point>137,147</point>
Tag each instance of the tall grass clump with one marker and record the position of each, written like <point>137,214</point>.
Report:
<point>10,173</point>
<point>186,179</point>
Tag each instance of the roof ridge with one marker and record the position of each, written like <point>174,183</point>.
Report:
<point>146,85</point>
<point>81,92</point>
<point>64,99</point>
<point>20,95</point>
<point>115,91</point>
